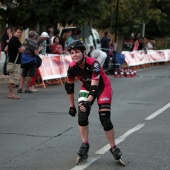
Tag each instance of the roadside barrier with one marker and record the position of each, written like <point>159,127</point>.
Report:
<point>146,58</point>
<point>54,68</point>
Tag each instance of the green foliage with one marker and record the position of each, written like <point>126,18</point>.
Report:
<point>133,13</point>
<point>102,14</point>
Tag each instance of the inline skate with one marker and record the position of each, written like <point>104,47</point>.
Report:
<point>82,154</point>
<point>117,154</point>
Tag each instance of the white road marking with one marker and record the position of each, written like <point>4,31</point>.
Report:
<point>120,139</point>
<point>85,165</point>
<point>158,112</point>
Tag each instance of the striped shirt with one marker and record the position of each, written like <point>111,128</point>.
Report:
<point>33,46</point>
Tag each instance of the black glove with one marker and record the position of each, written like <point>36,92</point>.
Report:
<point>72,111</point>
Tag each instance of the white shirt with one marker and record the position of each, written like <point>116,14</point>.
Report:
<point>149,46</point>
<point>99,55</point>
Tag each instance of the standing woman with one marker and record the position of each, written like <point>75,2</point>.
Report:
<point>5,39</point>
<point>57,47</point>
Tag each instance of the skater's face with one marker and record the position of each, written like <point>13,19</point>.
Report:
<point>76,55</point>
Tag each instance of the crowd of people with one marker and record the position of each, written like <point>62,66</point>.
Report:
<point>49,42</point>
<point>141,43</point>
<point>25,65</point>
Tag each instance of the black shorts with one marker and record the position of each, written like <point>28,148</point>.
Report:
<point>29,71</point>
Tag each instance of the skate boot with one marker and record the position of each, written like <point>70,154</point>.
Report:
<point>117,154</point>
<point>83,154</point>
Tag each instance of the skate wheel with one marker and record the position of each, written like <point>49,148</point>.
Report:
<point>78,160</point>
<point>122,161</point>
<point>81,159</point>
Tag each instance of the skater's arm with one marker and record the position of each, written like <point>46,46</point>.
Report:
<point>69,87</point>
<point>93,91</point>
<point>94,81</point>
<point>71,100</point>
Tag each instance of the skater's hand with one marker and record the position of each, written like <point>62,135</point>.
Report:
<point>72,111</point>
<point>85,106</point>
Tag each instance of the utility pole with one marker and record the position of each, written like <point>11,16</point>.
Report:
<point>143,29</point>
<point>115,37</point>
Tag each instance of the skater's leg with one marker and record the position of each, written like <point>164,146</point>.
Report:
<point>104,115</point>
<point>84,130</point>
<point>109,131</point>
<point>83,122</point>
<point>110,137</point>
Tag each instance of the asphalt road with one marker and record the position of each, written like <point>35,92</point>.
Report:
<point>36,132</point>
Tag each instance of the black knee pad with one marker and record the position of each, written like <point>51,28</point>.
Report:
<point>105,120</point>
<point>82,117</point>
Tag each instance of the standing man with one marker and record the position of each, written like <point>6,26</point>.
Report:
<point>15,48</point>
<point>95,86</point>
<point>29,61</point>
<point>42,42</point>
<point>105,47</point>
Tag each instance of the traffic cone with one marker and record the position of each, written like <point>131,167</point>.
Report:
<point>127,74</point>
<point>121,73</point>
<point>134,71</point>
<point>115,74</point>
<point>131,73</point>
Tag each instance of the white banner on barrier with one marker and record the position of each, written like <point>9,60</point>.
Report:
<point>54,66</point>
<point>136,58</point>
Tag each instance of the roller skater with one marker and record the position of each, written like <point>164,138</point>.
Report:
<point>95,86</point>
<point>83,153</point>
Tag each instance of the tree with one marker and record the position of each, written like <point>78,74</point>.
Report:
<point>133,13</point>
<point>28,13</point>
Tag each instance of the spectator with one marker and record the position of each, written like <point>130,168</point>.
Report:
<point>110,48</point>
<point>37,74</point>
<point>42,42</point>
<point>49,30</point>
<point>70,38</point>
<point>5,40</point>
<point>56,48</point>
<point>105,48</point>
<point>149,45</point>
<point>56,33</point>
<point>141,43</point>
<point>99,55</point>
<point>64,43</point>
<point>136,42</point>
<point>29,61</point>
<point>77,35</point>
<point>14,48</point>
